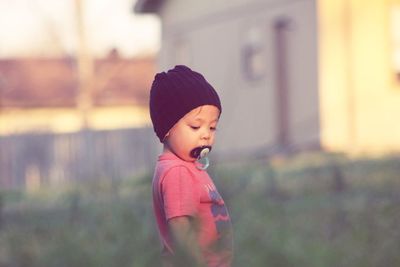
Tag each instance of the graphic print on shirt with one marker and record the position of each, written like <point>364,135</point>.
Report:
<point>221,218</point>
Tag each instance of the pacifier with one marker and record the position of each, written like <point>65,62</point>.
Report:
<point>200,154</point>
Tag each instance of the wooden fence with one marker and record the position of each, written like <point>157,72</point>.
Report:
<point>32,160</point>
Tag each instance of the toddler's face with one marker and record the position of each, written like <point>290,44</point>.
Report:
<point>196,128</point>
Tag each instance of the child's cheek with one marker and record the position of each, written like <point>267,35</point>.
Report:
<point>212,139</point>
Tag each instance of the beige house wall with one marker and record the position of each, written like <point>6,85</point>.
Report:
<point>174,12</point>
<point>359,96</point>
<point>334,75</point>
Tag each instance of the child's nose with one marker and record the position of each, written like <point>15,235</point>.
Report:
<point>206,134</point>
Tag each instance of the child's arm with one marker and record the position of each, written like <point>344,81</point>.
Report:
<point>186,248</point>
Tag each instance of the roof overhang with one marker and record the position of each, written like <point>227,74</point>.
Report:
<point>147,6</point>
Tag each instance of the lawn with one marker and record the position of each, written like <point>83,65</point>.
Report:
<point>308,210</point>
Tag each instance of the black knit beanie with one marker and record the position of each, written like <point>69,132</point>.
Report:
<point>175,93</point>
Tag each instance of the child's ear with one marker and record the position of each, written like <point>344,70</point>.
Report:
<point>165,137</point>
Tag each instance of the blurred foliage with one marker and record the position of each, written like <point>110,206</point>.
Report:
<point>307,210</point>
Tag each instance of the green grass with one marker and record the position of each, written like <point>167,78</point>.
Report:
<point>309,210</point>
<point>112,227</point>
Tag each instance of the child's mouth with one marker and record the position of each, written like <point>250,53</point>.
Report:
<point>200,152</point>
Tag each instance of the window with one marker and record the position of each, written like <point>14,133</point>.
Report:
<point>253,54</point>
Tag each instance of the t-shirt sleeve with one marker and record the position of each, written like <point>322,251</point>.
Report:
<point>179,193</point>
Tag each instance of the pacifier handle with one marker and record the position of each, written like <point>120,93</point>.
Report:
<point>202,155</point>
<point>203,166</point>
<point>204,152</point>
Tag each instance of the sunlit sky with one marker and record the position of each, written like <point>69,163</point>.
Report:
<point>48,28</point>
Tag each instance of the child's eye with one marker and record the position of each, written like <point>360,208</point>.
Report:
<point>195,127</point>
<point>213,128</point>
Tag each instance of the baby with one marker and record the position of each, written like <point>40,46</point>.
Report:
<point>192,219</point>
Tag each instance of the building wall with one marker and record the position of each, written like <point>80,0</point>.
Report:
<point>360,96</point>
<point>213,37</point>
<point>181,12</point>
<point>335,75</point>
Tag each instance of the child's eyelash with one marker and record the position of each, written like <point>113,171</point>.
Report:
<point>198,127</point>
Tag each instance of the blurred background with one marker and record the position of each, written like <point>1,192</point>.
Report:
<point>307,154</point>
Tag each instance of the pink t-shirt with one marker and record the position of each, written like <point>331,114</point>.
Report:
<point>180,189</point>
